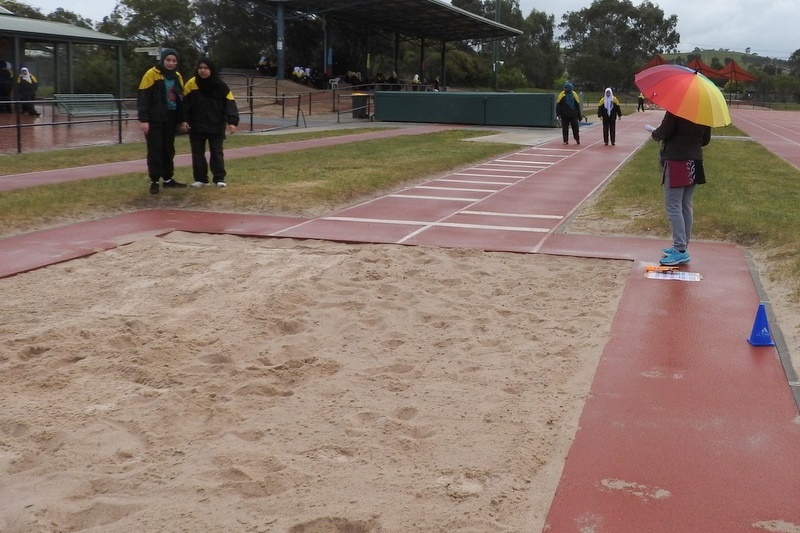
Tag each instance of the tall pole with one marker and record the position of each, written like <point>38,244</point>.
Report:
<point>495,47</point>
<point>281,34</point>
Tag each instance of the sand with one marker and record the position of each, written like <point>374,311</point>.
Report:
<point>223,384</point>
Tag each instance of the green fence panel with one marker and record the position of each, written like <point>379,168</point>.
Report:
<point>490,109</point>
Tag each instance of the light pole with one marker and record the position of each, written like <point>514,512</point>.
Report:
<point>495,64</point>
<point>495,47</point>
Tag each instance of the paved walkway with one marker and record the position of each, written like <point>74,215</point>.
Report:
<point>688,428</point>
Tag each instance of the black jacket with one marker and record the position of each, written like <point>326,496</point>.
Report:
<point>566,112</point>
<point>151,102</point>
<point>209,114</point>
<point>616,110</point>
<point>681,138</point>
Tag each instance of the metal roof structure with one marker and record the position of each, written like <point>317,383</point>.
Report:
<point>429,19</point>
<point>45,30</point>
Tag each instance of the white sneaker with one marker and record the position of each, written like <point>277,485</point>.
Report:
<point>221,184</point>
<point>199,184</point>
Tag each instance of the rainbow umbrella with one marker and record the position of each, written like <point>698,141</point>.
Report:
<point>684,93</point>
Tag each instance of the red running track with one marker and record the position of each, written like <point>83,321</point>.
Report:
<point>688,428</point>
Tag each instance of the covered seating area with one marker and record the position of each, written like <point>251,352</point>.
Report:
<point>417,20</point>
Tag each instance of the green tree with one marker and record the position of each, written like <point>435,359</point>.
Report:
<point>166,23</point>
<point>537,52</point>
<point>610,38</point>
<point>794,63</point>
<point>68,17</point>
<point>234,32</point>
<point>22,10</point>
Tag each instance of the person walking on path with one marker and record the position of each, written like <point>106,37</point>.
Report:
<point>210,112</point>
<point>161,113</point>
<point>568,110</point>
<point>640,107</point>
<point>27,84</point>
<point>609,110</point>
<point>681,160</point>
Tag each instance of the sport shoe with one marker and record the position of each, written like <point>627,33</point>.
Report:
<point>172,184</point>
<point>153,187</point>
<point>199,184</point>
<point>221,184</point>
<point>668,251</point>
<point>678,258</point>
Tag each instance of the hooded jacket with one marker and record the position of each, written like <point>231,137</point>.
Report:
<point>209,104</point>
<point>27,84</point>
<point>606,114</point>
<point>151,102</point>
<point>568,104</point>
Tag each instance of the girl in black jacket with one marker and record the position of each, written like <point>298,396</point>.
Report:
<point>26,89</point>
<point>160,107</point>
<point>211,112</point>
<point>609,110</point>
<point>568,110</point>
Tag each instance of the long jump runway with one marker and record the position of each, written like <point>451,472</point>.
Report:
<point>688,428</point>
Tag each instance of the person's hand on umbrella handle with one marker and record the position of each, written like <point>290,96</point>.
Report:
<point>649,128</point>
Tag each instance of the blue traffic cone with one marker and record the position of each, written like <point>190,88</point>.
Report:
<point>760,335</point>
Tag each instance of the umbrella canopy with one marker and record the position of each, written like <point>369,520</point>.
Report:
<point>704,69</point>
<point>684,93</point>
<point>657,60</point>
<point>733,71</point>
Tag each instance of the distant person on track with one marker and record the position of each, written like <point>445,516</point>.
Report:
<point>609,110</point>
<point>568,110</point>
<point>640,106</point>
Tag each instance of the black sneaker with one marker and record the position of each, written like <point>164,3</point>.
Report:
<point>153,187</point>
<point>172,184</point>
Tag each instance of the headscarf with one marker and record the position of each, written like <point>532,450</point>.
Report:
<point>569,98</point>
<point>25,74</point>
<point>608,101</point>
<point>167,73</point>
<point>212,86</point>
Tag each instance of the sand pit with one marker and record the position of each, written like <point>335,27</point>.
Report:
<point>222,384</point>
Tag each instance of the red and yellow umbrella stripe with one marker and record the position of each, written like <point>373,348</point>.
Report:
<point>685,93</point>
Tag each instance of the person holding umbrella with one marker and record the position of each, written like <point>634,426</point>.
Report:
<point>682,144</point>
<point>693,106</point>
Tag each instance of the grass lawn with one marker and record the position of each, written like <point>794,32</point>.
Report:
<point>752,198</point>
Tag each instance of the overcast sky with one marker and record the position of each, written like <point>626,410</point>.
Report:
<point>767,27</point>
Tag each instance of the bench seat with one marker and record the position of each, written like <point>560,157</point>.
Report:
<point>89,105</point>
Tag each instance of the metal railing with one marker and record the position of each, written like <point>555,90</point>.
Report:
<point>17,127</point>
<point>257,97</point>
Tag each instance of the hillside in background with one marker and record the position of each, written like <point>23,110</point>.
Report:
<point>746,61</point>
